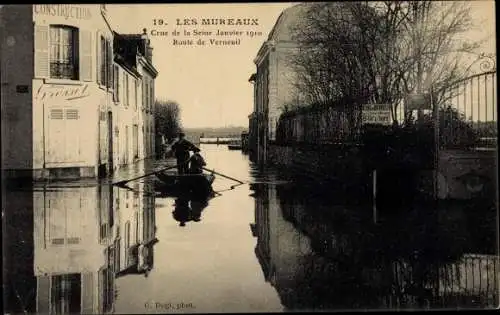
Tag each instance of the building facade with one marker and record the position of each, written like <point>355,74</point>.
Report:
<point>59,105</point>
<point>274,81</point>
<point>134,51</point>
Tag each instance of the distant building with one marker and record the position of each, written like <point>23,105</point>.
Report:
<point>136,51</point>
<point>59,105</point>
<point>273,81</point>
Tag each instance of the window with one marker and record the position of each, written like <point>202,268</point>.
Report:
<point>103,62</point>
<point>63,52</point>
<point>66,293</point>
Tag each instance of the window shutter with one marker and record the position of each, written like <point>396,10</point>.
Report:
<point>88,285</point>
<point>115,83</point>
<point>98,58</point>
<point>109,56</point>
<point>43,297</point>
<point>85,55</point>
<point>42,51</point>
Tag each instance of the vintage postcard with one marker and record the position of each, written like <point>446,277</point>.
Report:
<point>249,157</point>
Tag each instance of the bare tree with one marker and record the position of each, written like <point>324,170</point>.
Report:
<point>359,52</point>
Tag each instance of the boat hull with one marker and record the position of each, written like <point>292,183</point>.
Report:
<point>198,185</point>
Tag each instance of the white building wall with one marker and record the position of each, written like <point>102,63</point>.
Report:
<point>50,123</point>
<point>125,116</point>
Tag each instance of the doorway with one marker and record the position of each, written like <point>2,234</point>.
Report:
<point>110,143</point>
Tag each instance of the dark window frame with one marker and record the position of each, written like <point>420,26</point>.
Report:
<point>59,67</point>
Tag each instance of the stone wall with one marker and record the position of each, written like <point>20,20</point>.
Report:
<point>468,174</point>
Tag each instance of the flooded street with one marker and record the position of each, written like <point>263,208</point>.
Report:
<point>209,265</point>
<point>265,246</point>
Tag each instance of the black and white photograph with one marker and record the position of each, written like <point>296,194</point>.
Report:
<point>258,157</point>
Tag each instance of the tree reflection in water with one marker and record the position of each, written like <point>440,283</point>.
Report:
<point>423,256</point>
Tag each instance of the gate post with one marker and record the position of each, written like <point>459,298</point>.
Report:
<point>435,108</point>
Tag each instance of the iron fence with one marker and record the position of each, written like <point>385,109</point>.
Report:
<point>319,125</point>
<point>473,281</point>
<point>471,106</point>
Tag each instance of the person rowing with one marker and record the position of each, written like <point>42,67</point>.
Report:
<point>181,149</point>
<point>196,162</point>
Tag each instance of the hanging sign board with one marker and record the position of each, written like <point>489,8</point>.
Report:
<point>376,114</point>
<point>418,101</point>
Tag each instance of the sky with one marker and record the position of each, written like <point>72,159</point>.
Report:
<point>209,82</point>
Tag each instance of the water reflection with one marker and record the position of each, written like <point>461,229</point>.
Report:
<point>67,243</point>
<point>88,248</point>
<point>189,209</point>
<point>320,254</point>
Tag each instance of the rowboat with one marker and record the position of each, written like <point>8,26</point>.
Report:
<point>186,184</point>
<point>234,145</point>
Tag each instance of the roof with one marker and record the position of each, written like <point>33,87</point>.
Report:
<point>283,26</point>
<point>119,59</point>
<point>128,46</point>
<point>282,29</point>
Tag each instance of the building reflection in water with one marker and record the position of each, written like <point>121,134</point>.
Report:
<point>19,281</point>
<point>74,252</point>
<point>320,255</point>
<point>66,246</point>
<point>136,230</point>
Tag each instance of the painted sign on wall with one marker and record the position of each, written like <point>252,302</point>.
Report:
<point>66,92</point>
<point>63,10</point>
<point>376,114</point>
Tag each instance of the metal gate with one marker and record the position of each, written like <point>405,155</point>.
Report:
<point>466,141</point>
<point>470,115</point>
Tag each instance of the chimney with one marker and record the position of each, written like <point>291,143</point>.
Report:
<point>148,50</point>
<point>145,42</point>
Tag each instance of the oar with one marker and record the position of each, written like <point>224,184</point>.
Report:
<point>228,177</point>
<point>121,183</point>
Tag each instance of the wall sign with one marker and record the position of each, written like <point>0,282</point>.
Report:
<point>376,114</point>
<point>63,10</point>
<point>22,88</point>
<point>66,92</point>
<point>418,101</point>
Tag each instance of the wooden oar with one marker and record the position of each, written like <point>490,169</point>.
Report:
<point>121,183</point>
<point>228,177</point>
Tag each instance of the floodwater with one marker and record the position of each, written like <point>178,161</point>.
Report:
<point>271,244</point>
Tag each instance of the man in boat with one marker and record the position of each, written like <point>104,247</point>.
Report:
<point>196,162</point>
<point>181,149</point>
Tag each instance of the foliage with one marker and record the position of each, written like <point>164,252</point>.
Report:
<point>454,130</point>
<point>167,118</point>
<point>380,51</point>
